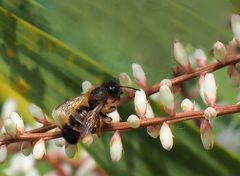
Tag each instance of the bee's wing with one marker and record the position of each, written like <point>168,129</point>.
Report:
<point>63,111</point>
<point>90,120</point>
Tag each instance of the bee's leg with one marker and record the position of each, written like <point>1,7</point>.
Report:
<point>105,119</point>
<point>108,108</point>
<point>98,128</point>
<point>112,108</point>
<point>99,125</point>
<point>100,122</point>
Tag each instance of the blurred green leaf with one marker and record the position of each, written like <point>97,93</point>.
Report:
<point>49,47</point>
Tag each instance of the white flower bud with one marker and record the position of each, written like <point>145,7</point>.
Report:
<point>139,75</point>
<point>201,83</point>
<point>125,80</point>
<point>207,136</point>
<point>14,125</point>
<point>116,148</point>
<point>187,105</point>
<point>235,22</point>
<point>210,113</point>
<point>219,51</point>
<point>26,148</point>
<point>200,57</point>
<point>19,122</point>
<point>39,149</point>
<point>149,111</point>
<point>36,111</point>
<point>133,121</point>
<point>9,106</point>
<point>88,139</point>
<point>181,56</point>
<point>153,131</point>
<point>59,142</point>
<point>114,116</point>
<point>3,131</point>
<point>140,102</point>
<point>209,89</point>
<point>70,150</point>
<point>86,86</point>
<point>166,82</point>
<point>3,153</point>
<point>166,136</point>
<point>10,127</point>
<point>167,99</point>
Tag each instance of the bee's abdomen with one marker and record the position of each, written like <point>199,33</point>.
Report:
<point>70,135</point>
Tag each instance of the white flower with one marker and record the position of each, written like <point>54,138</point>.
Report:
<point>114,116</point>
<point>133,121</point>
<point>210,113</point>
<point>35,111</point>
<point>140,102</point>
<point>200,57</point>
<point>9,106</point>
<point>86,86</point>
<point>235,22</point>
<point>149,111</point>
<point>125,80</point>
<point>39,149</point>
<point>26,148</point>
<point>166,82</point>
<point>153,131</point>
<point>219,51</point>
<point>116,147</point>
<point>167,99</point>
<point>209,89</point>
<point>187,105</point>
<point>166,136</point>
<point>3,131</point>
<point>14,125</point>
<point>181,56</point>
<point>21,165</point>
<point>3,153</point>
<point>139,75</point>
<point>206,133</point>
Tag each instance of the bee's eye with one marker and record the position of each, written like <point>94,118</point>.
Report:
<point>112,88</point>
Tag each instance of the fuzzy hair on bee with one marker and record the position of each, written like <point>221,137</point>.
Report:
<point>83,114</point>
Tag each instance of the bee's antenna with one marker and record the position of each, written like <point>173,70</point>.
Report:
<point>129,87</point>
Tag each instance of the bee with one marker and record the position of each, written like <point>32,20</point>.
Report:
<point>85,114</point>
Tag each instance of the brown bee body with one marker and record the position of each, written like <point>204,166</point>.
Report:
<point>82,113</point>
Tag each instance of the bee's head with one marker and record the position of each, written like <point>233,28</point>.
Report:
<point>113,89</point>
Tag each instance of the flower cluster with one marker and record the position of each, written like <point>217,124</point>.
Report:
<point>34,141</point>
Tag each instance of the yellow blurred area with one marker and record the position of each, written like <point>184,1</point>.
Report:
<point>7,92</point>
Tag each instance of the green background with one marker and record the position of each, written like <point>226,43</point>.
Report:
<point>47,48</point>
